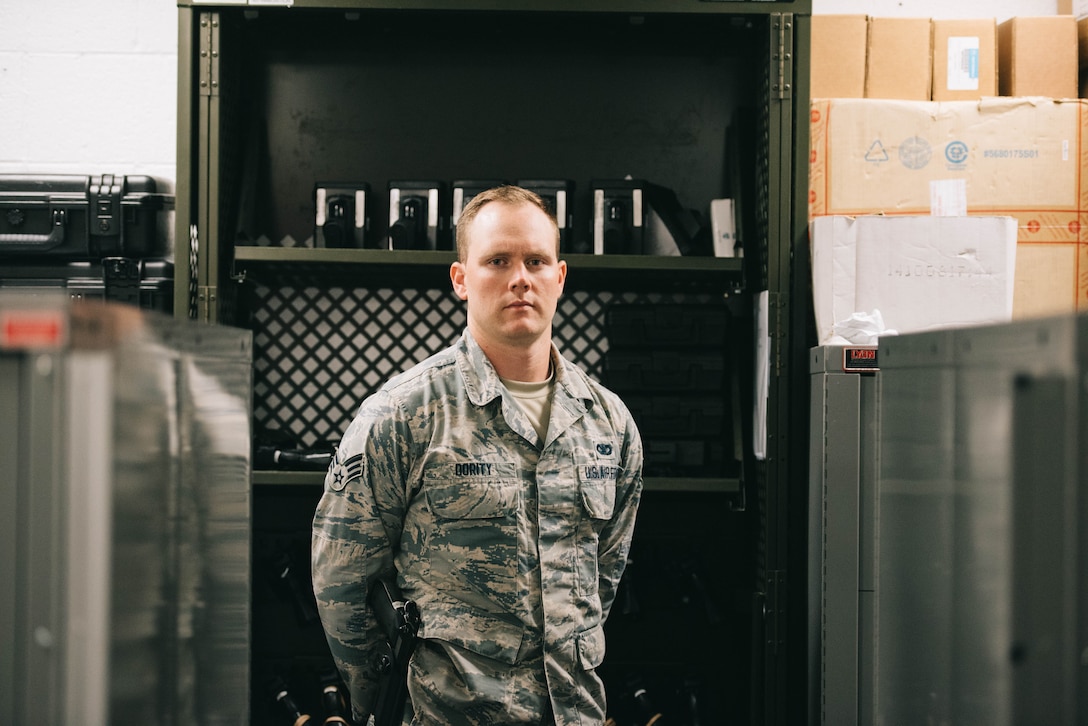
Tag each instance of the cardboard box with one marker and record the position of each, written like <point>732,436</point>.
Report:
<point>837,59</point>
<point>1037,56</point>
<point>898,59</point>
<point>1077,8</point>
<point>912,273</point>
<point>1023,158</point>
<point>964,59</point>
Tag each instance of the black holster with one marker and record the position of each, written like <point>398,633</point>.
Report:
<point>399,621</point>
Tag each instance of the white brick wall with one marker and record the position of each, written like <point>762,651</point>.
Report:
<point>88,87</point>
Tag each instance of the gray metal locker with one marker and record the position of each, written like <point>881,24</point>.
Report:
<point>1050,551</point>
<point>981,614</point>
<point>842,506</point>
<point>125,516</point>
<point>709,98</point>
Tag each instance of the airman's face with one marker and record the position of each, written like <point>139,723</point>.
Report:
<point>511,277</point>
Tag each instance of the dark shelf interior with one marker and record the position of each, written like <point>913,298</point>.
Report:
<point>508,96</point>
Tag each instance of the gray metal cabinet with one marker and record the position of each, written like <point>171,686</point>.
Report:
<point>843,473</point>
<point>126,516</point>
<point>707,98</point>
<point>947,537</point>
<point>980,567</point>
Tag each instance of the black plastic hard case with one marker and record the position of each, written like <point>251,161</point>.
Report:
<point>81,217</point>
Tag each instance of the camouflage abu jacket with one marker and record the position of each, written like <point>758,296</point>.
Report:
<point>508,544</point>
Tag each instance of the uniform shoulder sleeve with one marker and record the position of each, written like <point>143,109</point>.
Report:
<point>356,529</point>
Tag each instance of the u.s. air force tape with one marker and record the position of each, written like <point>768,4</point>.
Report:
<point>341,472</point>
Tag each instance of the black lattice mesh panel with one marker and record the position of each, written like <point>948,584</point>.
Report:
<point>578,330</point>
<point>319,351</point>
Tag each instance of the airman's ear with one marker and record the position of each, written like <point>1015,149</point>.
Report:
<point>457,277</point>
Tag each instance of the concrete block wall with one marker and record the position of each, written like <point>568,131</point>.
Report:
<point>88,87</point>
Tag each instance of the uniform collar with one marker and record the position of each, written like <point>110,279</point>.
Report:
<point>482,381</point>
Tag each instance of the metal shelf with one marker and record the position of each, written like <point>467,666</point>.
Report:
<point>444,258</point>
<point>426,266</point>
<point>274,93</point>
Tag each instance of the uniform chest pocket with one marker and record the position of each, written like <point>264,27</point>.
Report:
<point>597,484</point>
<point>455,495</point>
<point>469,547</point>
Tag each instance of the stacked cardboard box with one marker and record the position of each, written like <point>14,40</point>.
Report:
<point>1037,56</point>
<point>1021,157</point>
<point>856,56</point>
<point>837,58</point>
<point>898,58</point>
<point>1076,8</point>
<point>875,273</point>
<point>964,59</point>
<point>929,134</point>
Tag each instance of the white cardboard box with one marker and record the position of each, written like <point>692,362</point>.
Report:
<point>919,272</point>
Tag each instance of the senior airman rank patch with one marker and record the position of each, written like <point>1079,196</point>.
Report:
<point>341,472</point>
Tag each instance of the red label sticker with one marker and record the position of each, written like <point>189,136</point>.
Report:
<point>23,329</point>
<point>860,360</point>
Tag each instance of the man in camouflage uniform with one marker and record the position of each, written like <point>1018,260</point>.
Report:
<point>501,483</point>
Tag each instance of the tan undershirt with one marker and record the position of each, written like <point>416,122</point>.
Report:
<point>535,400</point>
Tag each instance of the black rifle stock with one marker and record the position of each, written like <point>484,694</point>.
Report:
<point>399,621</point>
